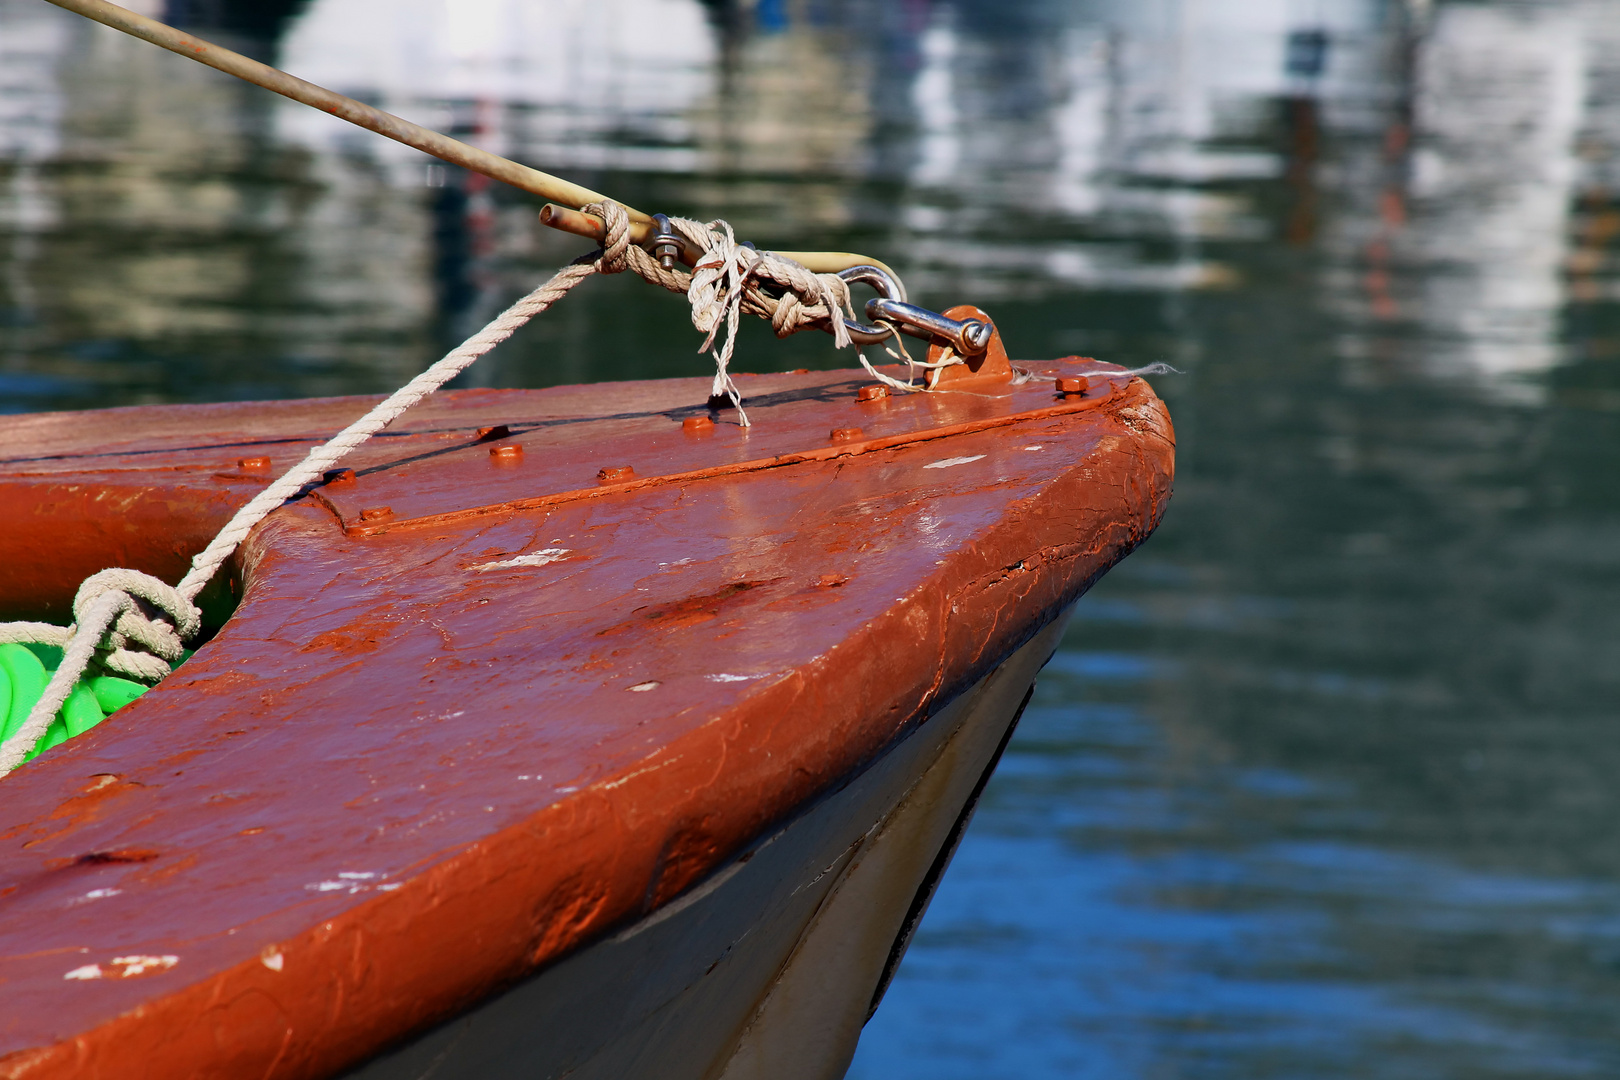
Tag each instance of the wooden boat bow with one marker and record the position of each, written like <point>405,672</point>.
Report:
<point>487,699</point>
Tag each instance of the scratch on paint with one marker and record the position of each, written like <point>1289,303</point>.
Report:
<point>626,778</point>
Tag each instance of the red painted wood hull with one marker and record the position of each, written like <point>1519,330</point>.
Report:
<point>438,749</point>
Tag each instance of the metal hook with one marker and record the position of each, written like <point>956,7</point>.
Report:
<point>888,287</point>
<point>965,337</point>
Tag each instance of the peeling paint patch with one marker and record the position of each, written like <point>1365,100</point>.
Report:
<point>945,463</point>
<point>643,687</point>
<point>537,558</point>
<point>1037,446</point>
<point>124,967</point>
<point>94,894</point>
<point>272,958</point>
<point>128,967</point>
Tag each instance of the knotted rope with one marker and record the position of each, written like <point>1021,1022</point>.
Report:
<point>119,608</point>
<point>728,280</point>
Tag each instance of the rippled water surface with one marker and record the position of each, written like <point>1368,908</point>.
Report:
<point>1323,781</point>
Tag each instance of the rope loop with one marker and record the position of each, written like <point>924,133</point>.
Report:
<point>152,615</point>
<point>616,241</point>
<point>728,279</point>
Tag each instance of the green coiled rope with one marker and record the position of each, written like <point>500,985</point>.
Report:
<point>24,671</point>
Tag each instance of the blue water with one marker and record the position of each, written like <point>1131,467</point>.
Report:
<point>1132,931</point>
<point>1322,780</point>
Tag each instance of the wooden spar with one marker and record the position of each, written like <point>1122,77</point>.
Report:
<point>822,262</point>
<point>400,130</point>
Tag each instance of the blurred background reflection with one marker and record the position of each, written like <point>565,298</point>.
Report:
<point>1322,781</point>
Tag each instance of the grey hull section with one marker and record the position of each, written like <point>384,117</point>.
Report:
<point>768,969</point>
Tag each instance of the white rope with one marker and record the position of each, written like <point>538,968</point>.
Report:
<point>731,278</point>
<point>35,633</point>
<point>76,657</point>
<point>323,457</point>
<point>931,368</point>
<point>716,294</point>
<point>119,608</point>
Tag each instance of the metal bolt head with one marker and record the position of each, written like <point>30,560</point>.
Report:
<point>506,454</point>
<point>844,434</point>
<point>697,425</point>
<point>872,393</point>
<point>377,513</point>
<point>1073,384</point>
<point>339,476</point>
<point>666,242</point>
<point>616,474</point>
<point>976,335</point>
<point>253,464</point>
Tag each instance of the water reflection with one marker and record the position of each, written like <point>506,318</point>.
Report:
<point>1467,235</point>
<point>1321,782</point>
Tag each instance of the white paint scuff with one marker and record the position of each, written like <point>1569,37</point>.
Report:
<point>353,880</point>
<point>124,967</point>
<point>94,894</point>
<point>536,558</point>
<point>945,463</point>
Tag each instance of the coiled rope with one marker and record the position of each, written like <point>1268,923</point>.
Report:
<point>136,625</point>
